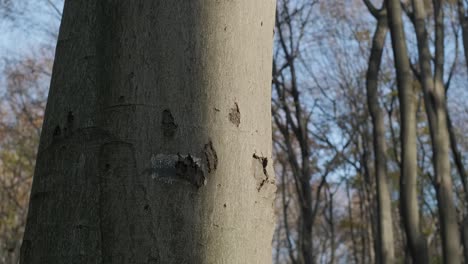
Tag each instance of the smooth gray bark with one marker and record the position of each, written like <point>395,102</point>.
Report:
<point>408,178</point>
<point>435,104</point>
<point>156,142</point>
<point>385,249</point>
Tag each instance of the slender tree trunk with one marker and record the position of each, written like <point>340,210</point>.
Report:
<point>408,179</point>
<point>285,217</point>
<point>307,220</point>
<point>364,229</point>
<point>156,142</point>
<point>300,163</point>
<point>385,250</point>
<point>465,237</point>
<point>457,157</point>
<point>434,101</point>
<point>351,225</point>
<point>370,194</point>
<point>332,229</point>
<point>463,19</point>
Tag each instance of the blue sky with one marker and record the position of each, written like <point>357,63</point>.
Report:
<point>29,28</point>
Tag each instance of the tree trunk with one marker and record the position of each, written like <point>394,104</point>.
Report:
<point>463,19</point>
<point>351,225</point>
<point>408,178</point>
<point>457,157</point>
<point>385,251</point>
<point>300,161</point>
<point>156,142</point>
<point>434,101</point>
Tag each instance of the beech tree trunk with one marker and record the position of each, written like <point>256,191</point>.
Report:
<point>408,177</point>
<point>156,142</point>
<point>385,248</point>
<point>435,103</point>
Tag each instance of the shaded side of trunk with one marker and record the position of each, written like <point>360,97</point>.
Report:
<point>435,103</point>
<point>156,145</point>
<point>408,178</point>
<point>385,247</point>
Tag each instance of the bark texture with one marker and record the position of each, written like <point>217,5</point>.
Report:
<point>385,248</point>
<point>408,178</point>
<point>435,103</point>
<point>156,142</point>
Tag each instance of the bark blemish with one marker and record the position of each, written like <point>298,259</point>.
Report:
<point>169,126</point>
<point>188,169</point>
<point>171,169</point>
<point>260,171</point>
<point>211,157</point>
<point>26,252</point>
<point>234,115</point>
<point>68,130</point>
<point>57,131</point>
<point>70,117</point>
<point>121,99</point>
<point>153,261</point>
<point>263,161</point>
<point>81,226</point>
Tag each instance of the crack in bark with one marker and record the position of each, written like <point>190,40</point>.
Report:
<point>211,157</point>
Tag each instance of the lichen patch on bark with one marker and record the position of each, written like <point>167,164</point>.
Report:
<point>171,169</point>
<point>234,115</point>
